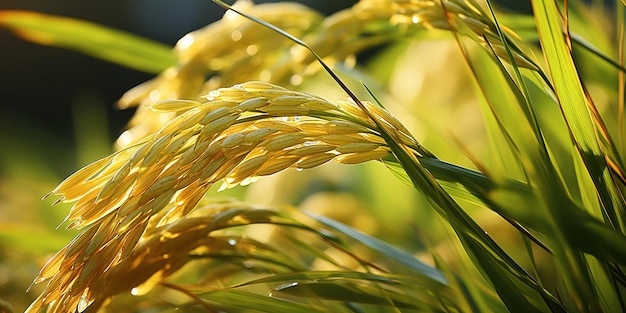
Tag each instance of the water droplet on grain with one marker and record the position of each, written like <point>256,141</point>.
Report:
<point>84,302</point>
<point>286,285</point>
<point>232,242</point>
<point>213,94</point>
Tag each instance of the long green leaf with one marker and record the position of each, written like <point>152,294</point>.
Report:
<point>96,40</point>
<point>380,246</point>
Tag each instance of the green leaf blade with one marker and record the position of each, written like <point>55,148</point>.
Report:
<point>92,39</point>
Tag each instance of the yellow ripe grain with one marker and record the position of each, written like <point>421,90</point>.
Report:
<point>159,187</point>
<point>75,193</point>
<point>83,204</point>
<point>384,115</point>
<point>158,203</point>
<point>344,127</point>
<point>259,86</point>
<point>474,24</point>
<point>276,124</point>
<point>319,105</point>
<point>285,110</point>
<point>195,197</point>
<point>75,180</point>
<point>225,94</point>
<point>212,167</point>
<point>179,142</point>
<point>275,165</point>
<point>80,242</point>
<point>51,267</point>
<point>131,238</point>
<point>253,104</point>
<point>219,125</point>
<point>238,150</point>
<point>406,139</point>
<point>193,152</point>
<point>101,237</point>
<point>339,140</point>
<point>99,210</point>
<point>283,141</point>
<point>233,140</point>
<point>373,138</point>
<point>214,115</point>
<point>247,168</point>
<point>203,161</point>
<point>259,134</point>
<point>314,160</point>
<point>92,269</point>
<point>155,150</point>
<point>146,177</point>
<point>313,127</point>
<point>128,213</point>
<point>354,158</point>
<point>221,103</point>
<point>352,109</point>
<point>174,105</point>
<point>226,168</point>
<point>113,184</point>
<point>288,100</point>
<point>457,8</point>
<point>357,147</point>
<point>313,149</point>
<point>139,154</point>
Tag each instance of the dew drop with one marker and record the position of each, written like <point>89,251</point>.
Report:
<point>299,169</point>
<point>232,242</point>
<point>311,143</point>
<point>286,285</point>
<point>213,94</point>
<point>84,302</point>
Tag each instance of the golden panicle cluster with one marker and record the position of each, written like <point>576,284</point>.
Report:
<point>235,49</point>
<point>229,51</point>
<point>447,15</point>
<point>161,252</point>
<point>240,133</point>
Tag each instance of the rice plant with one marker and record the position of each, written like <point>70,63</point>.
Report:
<point>523,212</point>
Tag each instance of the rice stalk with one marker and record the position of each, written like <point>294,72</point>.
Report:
<point>161,179</point>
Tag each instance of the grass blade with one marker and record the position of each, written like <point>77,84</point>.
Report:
<point>96,40</point>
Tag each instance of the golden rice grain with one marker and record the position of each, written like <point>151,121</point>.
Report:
<point>314,160</point>
<point>159,180</point>
<point>277,164</point>
<point>174,105</point>
<point>355,158</point>
<point>357,147</point>
<point>311,149</point>
<point>283,141</point>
